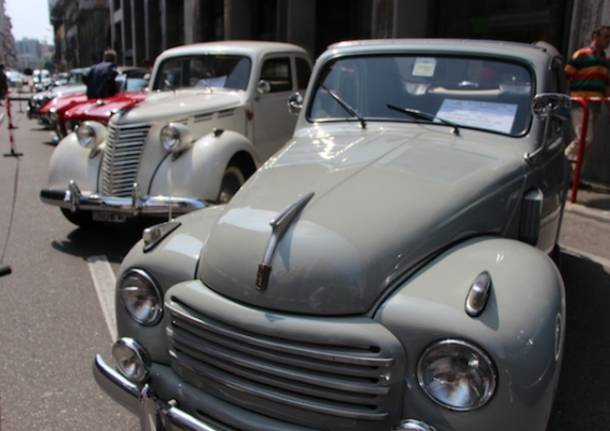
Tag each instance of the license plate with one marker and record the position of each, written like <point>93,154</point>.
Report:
<point>109,217</point>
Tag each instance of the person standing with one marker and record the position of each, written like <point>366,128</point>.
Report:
<point>588,74</point>
<point>3,84</point>
<point>100,79</point>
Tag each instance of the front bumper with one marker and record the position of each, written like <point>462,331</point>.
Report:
<point>154,414</point>
<point>135,205</point>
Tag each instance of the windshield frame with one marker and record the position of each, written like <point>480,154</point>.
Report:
<point>315,87</point>
<point>154,82</point>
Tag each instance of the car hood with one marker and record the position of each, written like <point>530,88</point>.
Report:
<point>384,202</point>
<point>63,102</point>
<point>183,103</point>
<point>102,109</point>
<point>65,90</point>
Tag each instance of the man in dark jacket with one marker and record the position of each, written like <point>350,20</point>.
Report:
<point>101,78</point>
<point>3,84</point>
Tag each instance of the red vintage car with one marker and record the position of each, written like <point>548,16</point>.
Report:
<point>100,110</point>
<point>131,82</point>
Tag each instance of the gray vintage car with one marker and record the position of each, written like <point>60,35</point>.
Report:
<point>388,269</point>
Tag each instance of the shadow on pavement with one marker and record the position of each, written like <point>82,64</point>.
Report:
<point>112,241</point>
<point>582,401</point>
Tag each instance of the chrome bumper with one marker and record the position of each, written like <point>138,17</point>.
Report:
<point>135,205</point>
<point>154,414</point>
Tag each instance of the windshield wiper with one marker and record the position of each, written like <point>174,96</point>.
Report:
<point>344,105</point>
<point>424,116</point>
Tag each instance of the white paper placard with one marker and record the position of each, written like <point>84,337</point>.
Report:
<point>485,115</point>
<point>424,67</point>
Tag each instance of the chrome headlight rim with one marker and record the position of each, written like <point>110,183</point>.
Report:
<point>175,138</point>
<point>157,314</point>
<point>96,134</point>
<point>461,343</point>
<point>140,359</point>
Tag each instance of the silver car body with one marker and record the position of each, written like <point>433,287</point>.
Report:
<point>225,127</point>
<point>371,271</point>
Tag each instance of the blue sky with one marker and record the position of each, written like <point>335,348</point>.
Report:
<point>30,18</point>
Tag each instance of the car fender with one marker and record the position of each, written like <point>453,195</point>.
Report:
<point>71,161</point>
<point>173,260</point>
<point>198,171</point>
<point>521,329</point>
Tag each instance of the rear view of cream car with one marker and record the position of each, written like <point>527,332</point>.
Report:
<point>214,113</point>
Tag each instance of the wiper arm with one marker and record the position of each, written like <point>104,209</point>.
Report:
<point>424,116</point>
<point>344,105</point>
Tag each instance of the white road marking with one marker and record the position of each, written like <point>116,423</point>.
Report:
<point>104,281</point>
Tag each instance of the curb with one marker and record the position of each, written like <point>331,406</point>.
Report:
<point>596,214</point>
<point>580,253</point>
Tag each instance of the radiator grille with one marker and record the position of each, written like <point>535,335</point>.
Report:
<point>122,158</point>
<point>324,386</point>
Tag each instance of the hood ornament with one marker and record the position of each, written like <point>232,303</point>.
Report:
<point>279,226</point>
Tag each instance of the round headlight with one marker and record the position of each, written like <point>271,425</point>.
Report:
<point>141,297</point>
<point>170,137</point>
<point>86,135</point>
<point>131,359</point>
<point>457,375</point>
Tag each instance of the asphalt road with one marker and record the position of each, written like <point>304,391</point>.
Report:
<point>51,324</point>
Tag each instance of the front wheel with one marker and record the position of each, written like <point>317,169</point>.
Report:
<point>82,219</point>
<point>232,180</point>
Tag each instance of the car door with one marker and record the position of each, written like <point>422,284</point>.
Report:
<point>551,169</point>
<point>273,124</point>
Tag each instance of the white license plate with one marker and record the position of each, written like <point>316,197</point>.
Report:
<point>109,217</point>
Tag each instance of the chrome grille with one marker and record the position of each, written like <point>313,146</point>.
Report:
<point>122,158</point>
<point>326,387</point>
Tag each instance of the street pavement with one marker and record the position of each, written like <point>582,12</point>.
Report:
<point>51,323</point>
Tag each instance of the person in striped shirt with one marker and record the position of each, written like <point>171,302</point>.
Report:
<point>589,76</point>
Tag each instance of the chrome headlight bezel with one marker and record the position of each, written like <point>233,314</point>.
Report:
<point>143,293</point>
<point>90,134</point>
<point>484,364</point>
<point>175,138</point>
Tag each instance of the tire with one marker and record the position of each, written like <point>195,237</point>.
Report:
<point>232,180</point>
<point>82,219</point>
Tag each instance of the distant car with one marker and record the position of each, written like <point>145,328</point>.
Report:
<point>129,80</point>
<point>42,80</point>
<point>15,79</point>
<point>74,87</point>
<point>388,269</point>
<point>213,114</point>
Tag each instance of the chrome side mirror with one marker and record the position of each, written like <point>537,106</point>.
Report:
<point>551,104</point>
<point>295,103</point>
<point>263,87</point>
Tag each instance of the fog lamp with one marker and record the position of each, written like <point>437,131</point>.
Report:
<point>132,359</point>
<point>413,425</point>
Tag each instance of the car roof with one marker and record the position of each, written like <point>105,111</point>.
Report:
<point>244,47</point>
<point>532,52</point>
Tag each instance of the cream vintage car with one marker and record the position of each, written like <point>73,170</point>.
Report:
<point>214,113</point>
<point>387,270</point>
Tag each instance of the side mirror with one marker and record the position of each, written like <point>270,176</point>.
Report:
<point>551,104</point>
<point>295,103</point>
<point>263,87</point>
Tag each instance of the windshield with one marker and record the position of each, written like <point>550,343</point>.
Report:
<point>464,91</point>
<point>224,71</point>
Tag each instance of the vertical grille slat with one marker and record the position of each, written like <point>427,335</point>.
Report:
<point>122,158</point>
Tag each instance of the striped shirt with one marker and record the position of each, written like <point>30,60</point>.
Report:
<point>588,73</point>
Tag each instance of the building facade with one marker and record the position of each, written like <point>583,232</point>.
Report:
<point>8,55</point>
<point>140,29</point>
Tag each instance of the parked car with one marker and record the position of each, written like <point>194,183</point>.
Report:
<point>214,112</point>
<point>74,87</point>
<point>54,112</point>
<point>387,269</point>
<point>15,79</point>
<point>42,80</point>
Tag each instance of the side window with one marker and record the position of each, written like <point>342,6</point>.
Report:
<point>303,73</point>
<point>276,71</point>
